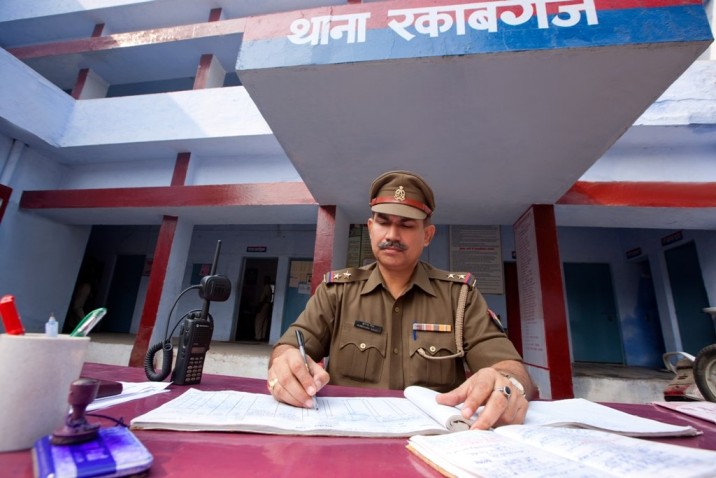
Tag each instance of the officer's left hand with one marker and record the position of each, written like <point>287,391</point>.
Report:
<point>484,388</point>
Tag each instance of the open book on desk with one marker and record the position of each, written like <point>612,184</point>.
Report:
<point>196,410</point>
<point>545,452</point>
<point>417,413</point>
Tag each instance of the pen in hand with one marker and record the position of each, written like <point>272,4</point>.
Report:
<point>302,349</point>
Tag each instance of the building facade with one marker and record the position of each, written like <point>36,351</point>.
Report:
<point>137,134</point>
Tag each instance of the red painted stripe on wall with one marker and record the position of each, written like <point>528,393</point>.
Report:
<point>640,194</point>
<point>254,194</point>
<point>124,40</point>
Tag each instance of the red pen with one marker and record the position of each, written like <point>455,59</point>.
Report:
<point>10,317</point>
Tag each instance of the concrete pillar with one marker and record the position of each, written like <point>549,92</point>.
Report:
<point>329,252</point>
<point>170,258</point>
<point>209,74</point>
<point>543,312</point>
<point>89,85</point>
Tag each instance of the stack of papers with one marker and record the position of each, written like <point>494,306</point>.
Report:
<point>130,391</point>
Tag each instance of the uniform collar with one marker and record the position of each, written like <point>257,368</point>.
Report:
<point>420,279</point>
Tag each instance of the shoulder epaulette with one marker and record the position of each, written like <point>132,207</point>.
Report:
<point>459,277</point>
<point>351,274</point>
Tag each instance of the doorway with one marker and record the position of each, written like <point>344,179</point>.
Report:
<point>689,294</point>
<point>643,337</point>
<point>593,321</point>
<point>512,298</point>
<point>122,296</point>
<point>257,286</point>
<point>85,295</point>
<point>298,291</point>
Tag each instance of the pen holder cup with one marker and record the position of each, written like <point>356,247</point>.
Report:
<point>35,376</point>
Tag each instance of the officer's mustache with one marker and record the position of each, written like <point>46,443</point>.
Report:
<point>392,244</point>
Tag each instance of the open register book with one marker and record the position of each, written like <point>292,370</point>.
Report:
<point>342,416</point>
<point>541,452</point>
<point>417,413</point>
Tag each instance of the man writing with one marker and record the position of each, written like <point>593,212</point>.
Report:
<point>401,322</point>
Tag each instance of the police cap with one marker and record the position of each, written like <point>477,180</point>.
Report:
<point>402,193</point>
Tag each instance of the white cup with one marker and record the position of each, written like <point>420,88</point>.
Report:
<point>35,376</point>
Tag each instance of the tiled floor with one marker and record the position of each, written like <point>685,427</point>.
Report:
<point>584,369</point>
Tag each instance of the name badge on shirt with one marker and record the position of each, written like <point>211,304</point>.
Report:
<point>376,329</point>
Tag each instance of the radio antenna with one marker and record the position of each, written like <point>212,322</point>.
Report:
<point>205,306</point>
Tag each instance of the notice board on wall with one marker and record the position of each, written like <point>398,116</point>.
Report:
<point>359,250</point>
<point>478,249</point>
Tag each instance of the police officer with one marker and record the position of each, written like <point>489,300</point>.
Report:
<point>401,322</point>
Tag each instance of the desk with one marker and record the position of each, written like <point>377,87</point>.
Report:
<point>229,454</point>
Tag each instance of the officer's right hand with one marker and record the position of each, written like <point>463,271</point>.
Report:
<point>290,382</point>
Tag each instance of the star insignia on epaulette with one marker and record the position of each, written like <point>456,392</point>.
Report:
<point>337,276</point>
<point>451,276</point>
<point>347,274</point>
<point>461,276</point>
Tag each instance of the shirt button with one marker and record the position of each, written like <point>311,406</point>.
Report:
<point>397,309</point>
<point>395,350</point>
<point>432,349</point>
<point>362,346</point>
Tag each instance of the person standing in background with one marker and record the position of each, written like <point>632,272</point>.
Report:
<point>264,310</point>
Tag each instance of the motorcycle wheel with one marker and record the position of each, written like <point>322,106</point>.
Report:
<point>705,372</point>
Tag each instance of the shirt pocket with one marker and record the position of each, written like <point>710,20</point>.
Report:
<point>440,375</point>
<point>361,355</point>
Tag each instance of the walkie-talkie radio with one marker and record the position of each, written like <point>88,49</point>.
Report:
<point>197,328</point>
<point>194,339</point>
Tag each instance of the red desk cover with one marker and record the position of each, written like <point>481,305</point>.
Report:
<point>219,454</point>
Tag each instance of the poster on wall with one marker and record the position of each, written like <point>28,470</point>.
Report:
<point>534,348</point>
<point>359,250</point>
<point>477,249</point>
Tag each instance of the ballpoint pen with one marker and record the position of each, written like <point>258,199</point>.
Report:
<point>88,323</point>
<point>302,349</point>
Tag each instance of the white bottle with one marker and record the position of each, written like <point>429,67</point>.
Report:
<point>51,326</point>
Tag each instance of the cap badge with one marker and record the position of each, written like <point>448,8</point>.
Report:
<point>399,194</point>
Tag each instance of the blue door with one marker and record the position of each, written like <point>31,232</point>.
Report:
<point>298,291</point>
<point>593,321</point>
<point>643,337</point>
<point>687,289</point>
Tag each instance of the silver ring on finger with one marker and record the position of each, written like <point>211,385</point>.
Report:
<point>506,391</point>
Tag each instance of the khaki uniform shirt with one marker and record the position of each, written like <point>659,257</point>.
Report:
<point>368,335</point>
